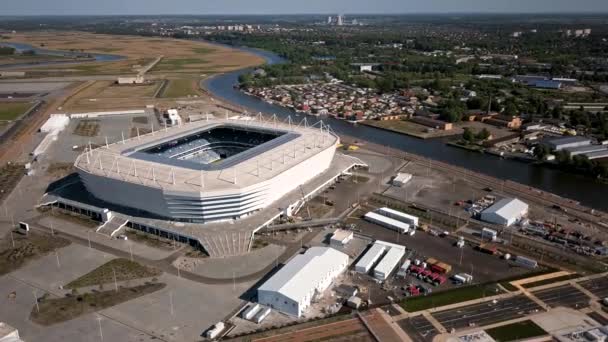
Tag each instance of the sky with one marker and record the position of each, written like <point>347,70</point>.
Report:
<point>202,7</point>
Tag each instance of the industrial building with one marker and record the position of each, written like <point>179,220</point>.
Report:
<point>139,79</point>
<point>294,286</point>
<point>369,259</point>
<point>505,212</point>
<point>401,179</point>
<point>389,262</point>
<point>568,142</point>
<point>399,216</point>
<point>340,238</point>
<point>387,222</point>
<point>584,150</point>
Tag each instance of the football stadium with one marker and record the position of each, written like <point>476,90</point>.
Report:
<point>209,170</point>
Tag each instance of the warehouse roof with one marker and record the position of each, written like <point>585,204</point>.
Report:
<point>390,260</point>
<point>388,220</point>
<point>586,149</point>
<point>301,274</point>
<point>507,207</point>
<point>568,140</point>
<point>371,255</point>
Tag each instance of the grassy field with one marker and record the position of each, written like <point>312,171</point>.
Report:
<point>27,247</point>
<point>410,128</point>
<point>551,280</point>
<point>506,283</point>
<point>124,269</point>
<point>56,310</point>
<point>10,175</point>
<point>11,110</point>
<point>106,95</point>
<point>516,331</point>
<point>181,88</point>
<point>457,295</point>
<point>179,55</point>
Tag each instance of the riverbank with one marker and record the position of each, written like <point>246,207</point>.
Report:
<point>580,188</point>
<point>408,128</point>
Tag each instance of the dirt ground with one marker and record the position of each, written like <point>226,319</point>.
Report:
<point>187,56</point>
<point>17,248</point>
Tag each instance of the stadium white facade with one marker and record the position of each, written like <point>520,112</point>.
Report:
<point>294,286</point>
<point>209,170</point>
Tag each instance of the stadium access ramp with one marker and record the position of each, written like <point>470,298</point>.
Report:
<point>112,227</point>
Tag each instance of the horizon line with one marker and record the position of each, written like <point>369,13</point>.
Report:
<point>595,13</point>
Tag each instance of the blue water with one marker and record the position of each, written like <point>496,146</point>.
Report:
<point>98,57</point>
<point>577,187</point>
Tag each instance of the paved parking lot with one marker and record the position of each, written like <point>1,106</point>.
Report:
<point>418,328</point>
<point>486,313</point>
<point>566,296</point>
<point>483,267</point>
<point>598,287</point>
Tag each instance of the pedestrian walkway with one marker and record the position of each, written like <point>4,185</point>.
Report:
<point>112,227</point>
<point>434,322</point>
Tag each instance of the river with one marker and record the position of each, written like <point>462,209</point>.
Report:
<point>97,57</point>
<point>577,187</point>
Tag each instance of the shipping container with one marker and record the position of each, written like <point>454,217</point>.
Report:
<point>525,262</point>
<point>404,268</point>
<point>215,330</point>
<point>459,279</point>
<point>488,234</point>
<point>488,248</point>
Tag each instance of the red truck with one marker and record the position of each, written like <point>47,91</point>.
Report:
<point>439,280</point>
<point>413,290</point>
<point>425,274</point>
<point>415,269</point>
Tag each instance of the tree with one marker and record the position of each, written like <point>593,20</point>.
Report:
<point>452,111</point>
<point>475,103</point>
<point>483,134</point>
<point>556,113</point>
<point>468,135</point>
<point>511,109</point>
<point>541,151</point>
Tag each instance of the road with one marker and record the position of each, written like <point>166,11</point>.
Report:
<point>565,295</point>
<point>598,287</point>
<point>486,313</point>
<point>418,328</point>
<point>166,264</point>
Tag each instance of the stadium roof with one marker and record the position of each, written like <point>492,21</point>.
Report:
<point>254,166</point>
<point>302,273</point>
<point>507,208</point>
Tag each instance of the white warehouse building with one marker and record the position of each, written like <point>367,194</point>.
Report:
<point>505,212</point>
<point>293,287</point>
<point>399,216</point>
<point>389,262</point>
<point>368,260</point>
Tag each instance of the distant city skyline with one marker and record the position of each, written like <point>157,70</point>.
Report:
<point>202,7</point>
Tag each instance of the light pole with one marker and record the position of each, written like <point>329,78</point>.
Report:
<point>100,331</point>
